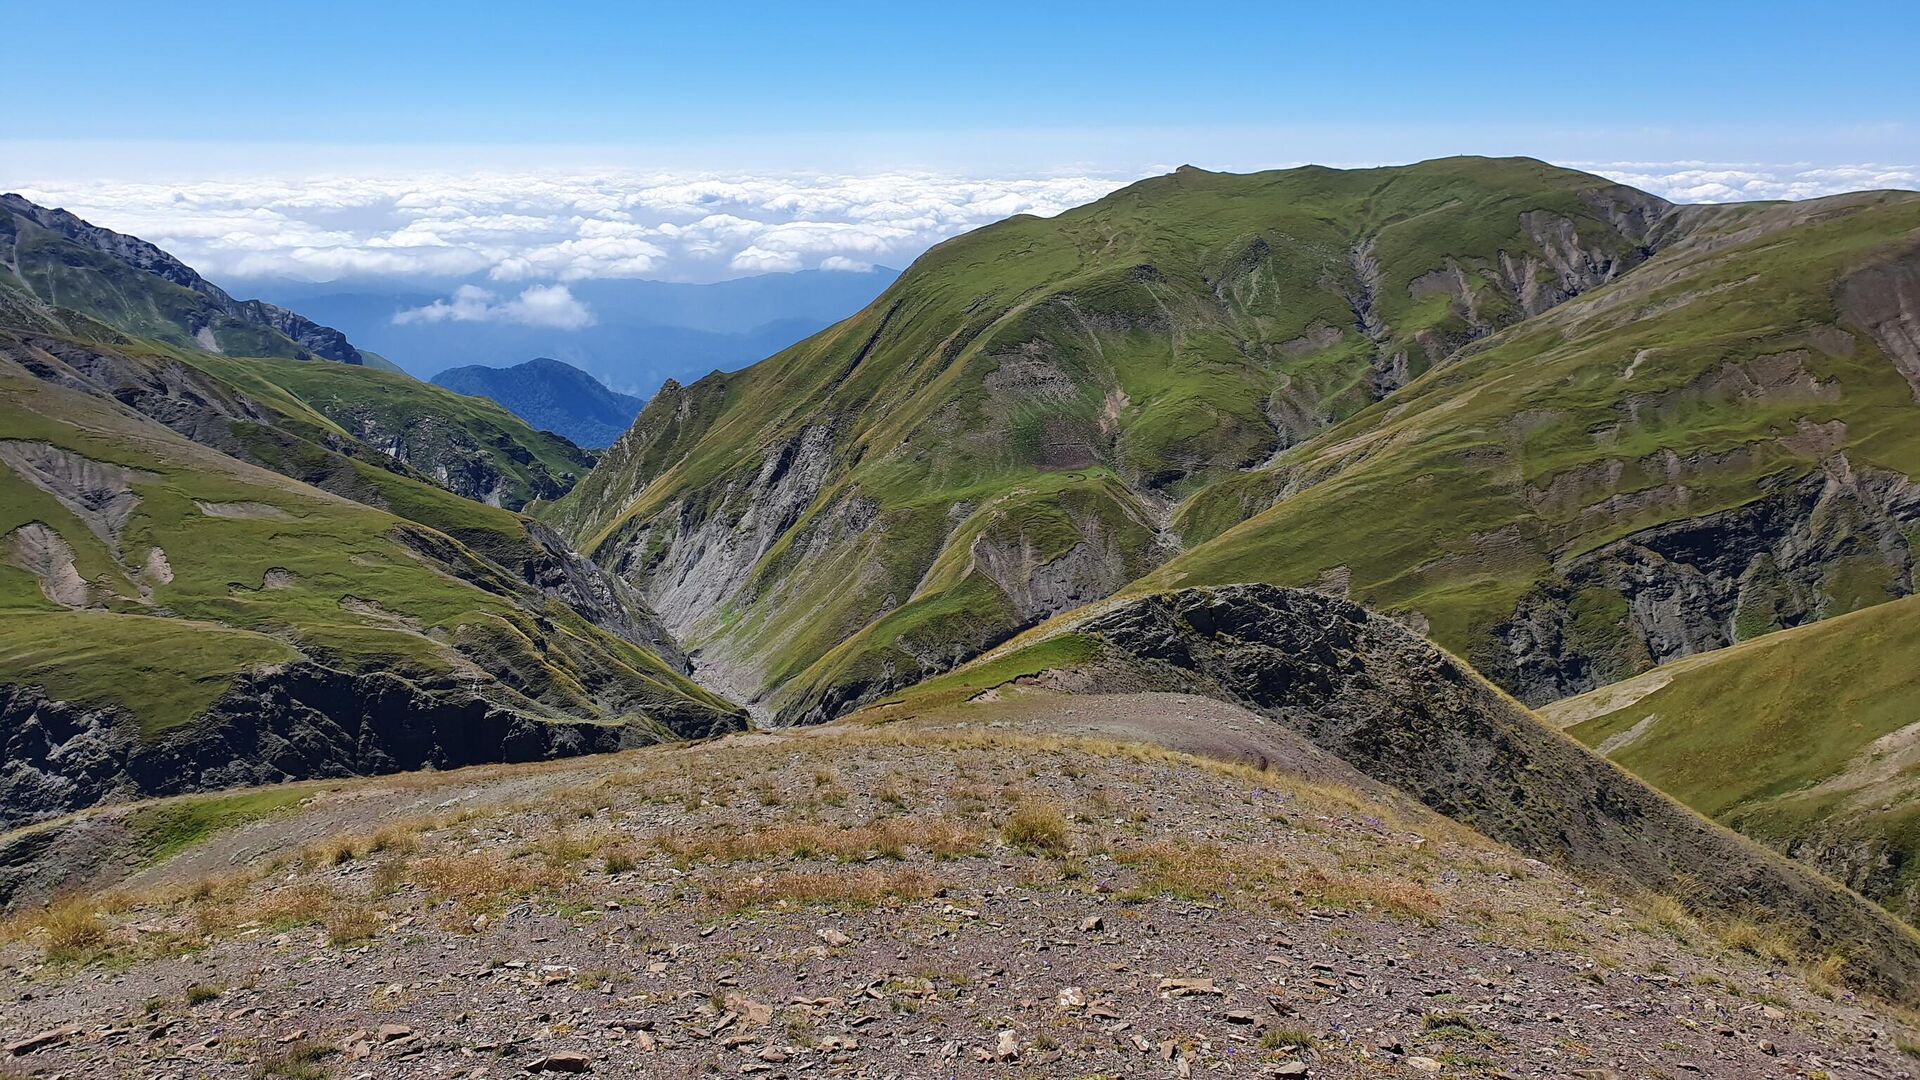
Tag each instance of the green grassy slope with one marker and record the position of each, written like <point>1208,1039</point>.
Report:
<point>1710,415</point>
<point>63,277</point>
<point>1124,355</point>
<point>468,444</point>
<point>74,270</point>
<point>1803,739</point>
<point>255,569</point>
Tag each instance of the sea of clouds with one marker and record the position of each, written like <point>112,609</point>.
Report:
<point>530,234</point>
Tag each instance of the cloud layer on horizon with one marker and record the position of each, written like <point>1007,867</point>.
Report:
<point>557,227</point>
<point>526,229</point>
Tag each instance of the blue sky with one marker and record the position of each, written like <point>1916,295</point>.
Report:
<point>1037,85</point>
<point>524,147</point>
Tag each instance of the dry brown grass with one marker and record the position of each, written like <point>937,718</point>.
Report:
<point>478,879</point>
<point>893,837</point>
<point>1324,797</point>
<point>863,886</point>
<point>1382,894</point>
<point>70,930</point>
<point>1671,915</point>
<point>1755,940</point>
<point>295,905</point>
<point>1191,871</point>
<point>349,922</point>
<point>563,848</point>
<point>400,838</point>
<point>1038,826</point>
<point>1251,875</point>
<point>1833,973</point>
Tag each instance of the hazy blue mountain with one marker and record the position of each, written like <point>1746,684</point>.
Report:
<point>643,333</point>
<point>552,396</point>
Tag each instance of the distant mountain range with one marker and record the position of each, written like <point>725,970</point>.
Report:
<point>643,332</point>
<point>552,396</point>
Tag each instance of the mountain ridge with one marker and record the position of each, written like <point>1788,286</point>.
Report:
<point>1064,366</point>
<point>552,396</point>
<point>221,569</point>
<point>201,318</point>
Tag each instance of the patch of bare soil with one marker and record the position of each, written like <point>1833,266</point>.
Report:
<point>251,511</point>
<point>99,493</point>
<point>1037,885</point>
<point>37,549</point>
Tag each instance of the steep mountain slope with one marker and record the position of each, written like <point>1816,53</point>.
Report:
<point>1001,436</point>
<point>1803,740</point>
<point>182,610</point>
<point>1718,445</point>
<point>473,448</point>
<point>72,268</point>
<point>551,396</point>
<point>176,619</point>
<point>117,294</point>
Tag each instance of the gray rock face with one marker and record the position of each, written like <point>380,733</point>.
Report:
<point>1401,711</point>
<point>299,722</point>
<point>1705,583</point>
<point>1565,265</point>
<point>561,574</point>
<point>1885,299</point>
<point>696,556</point>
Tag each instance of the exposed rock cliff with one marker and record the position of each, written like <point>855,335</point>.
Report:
<point>1807,549</point>
<point>297,722</point>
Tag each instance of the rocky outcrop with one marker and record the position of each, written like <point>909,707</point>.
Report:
<point>1804,550</point>
<point>1401,711</point>
<point>700,552</point>
<point>558,573</point>
<point>1884,300</point>
<point>293,723</point>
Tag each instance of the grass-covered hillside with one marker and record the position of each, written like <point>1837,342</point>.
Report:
<point>470,446</point>
<point>77,273</point>
<point>1716,446</point>
<point>1006,432</point>
<point>73,281</point>
<point>154,578</point>
<point>1803,739</point>
<point>220,569</point>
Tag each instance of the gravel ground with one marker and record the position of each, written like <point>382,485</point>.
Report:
<point>1014,887</point>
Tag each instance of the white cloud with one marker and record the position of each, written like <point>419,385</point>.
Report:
<point>1699,181</point>
<point>574,226</point>
<point>558,227</point>
<point>538,305</point>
